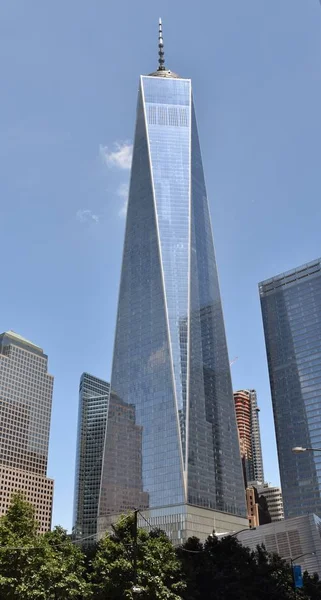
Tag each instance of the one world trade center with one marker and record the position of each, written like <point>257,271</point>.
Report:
<point>171,447</point>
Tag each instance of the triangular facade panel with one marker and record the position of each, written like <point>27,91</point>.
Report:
<point>142,374</point>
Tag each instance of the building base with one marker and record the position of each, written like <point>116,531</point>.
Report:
<point>183,521</point>
<point>37,489</point>
<point>290,538</point>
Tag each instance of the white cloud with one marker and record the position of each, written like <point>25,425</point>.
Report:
<point>120,157</point>
<point>122,192</point>
<point>84,215</point>
<point>157,358</point>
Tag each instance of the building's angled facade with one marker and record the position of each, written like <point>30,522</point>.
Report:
<point>92,416</point>
<point>291,309</point>
<point>25,413</point>
<point>247,417</point>
<point>170,356</point>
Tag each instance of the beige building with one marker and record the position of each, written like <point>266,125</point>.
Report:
<point>183,521</point>
<point>25,412</point>
<point>274,499</point>
<point>252,507</point>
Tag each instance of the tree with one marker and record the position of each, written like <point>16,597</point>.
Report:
<point>18,536</point>
<point>312,586</point>
<point>53,567</point>
<point>37,567</point>
<point>225,570</point>
<point>158,570</point>
<point>62,573</point>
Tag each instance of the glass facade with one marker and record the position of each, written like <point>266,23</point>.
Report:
<point>170,366</point>
<point>92,417</point>
<point>291,310</point>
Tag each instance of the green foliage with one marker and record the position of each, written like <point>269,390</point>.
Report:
<point>158,569</point>
<point>37,567</point>
<point>19,520</point>
<point>62,574</point>
<point>225,570</point>
<point>52,567</point>
<point>312,586</point>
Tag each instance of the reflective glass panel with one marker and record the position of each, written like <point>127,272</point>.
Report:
<point>291,310</point>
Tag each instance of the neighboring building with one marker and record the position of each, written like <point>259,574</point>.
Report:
<point>170,356</point>
<point>247,417</point>
<point>257,508</point>
<point>274,499</point>
<point>290,538</point>
<point>291,310</point>
<point>25,412</point>
<point>252,507</point>
<point>92,416</point>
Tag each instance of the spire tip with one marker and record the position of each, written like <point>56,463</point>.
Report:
<point>161,61</point>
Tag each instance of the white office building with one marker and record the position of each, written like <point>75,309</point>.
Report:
<point>298,539</point>
<point>274,499</point>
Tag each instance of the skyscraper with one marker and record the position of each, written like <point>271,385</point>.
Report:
<point>247,417</point>
<point>170,356</point>
<point>25,411</point>
<point>291,310</point>
<point>92,416</point>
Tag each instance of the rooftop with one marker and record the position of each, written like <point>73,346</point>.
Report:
<point>290,277</point>
<point>19,339</point>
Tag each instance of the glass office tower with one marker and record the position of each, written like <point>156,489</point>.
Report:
<point>170,356</point>
<point>92,416</point>
<point>291,309</point>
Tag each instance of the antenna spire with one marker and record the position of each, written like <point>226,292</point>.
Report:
<point>161,61</point>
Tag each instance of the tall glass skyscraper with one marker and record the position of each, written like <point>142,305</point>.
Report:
<point>291,309</point>
<point>92,417</point>
<point>170,357</point>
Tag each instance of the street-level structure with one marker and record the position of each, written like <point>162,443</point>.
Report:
<point>25,412</point>
<point>291,310</point>
<point>290,538</point>
<point>170,361</point>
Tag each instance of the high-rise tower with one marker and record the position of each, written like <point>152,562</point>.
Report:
<point>170,357</point>
<point>92,417</point>
<point>247,417</point>
<point>25,411</point>
<point>291,309</point>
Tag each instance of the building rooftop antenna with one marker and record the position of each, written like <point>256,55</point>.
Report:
<point>161,61</point>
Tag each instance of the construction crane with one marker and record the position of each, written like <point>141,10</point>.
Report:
<point>234,360</point>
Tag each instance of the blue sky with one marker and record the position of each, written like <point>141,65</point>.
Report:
<point>69,85</point>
